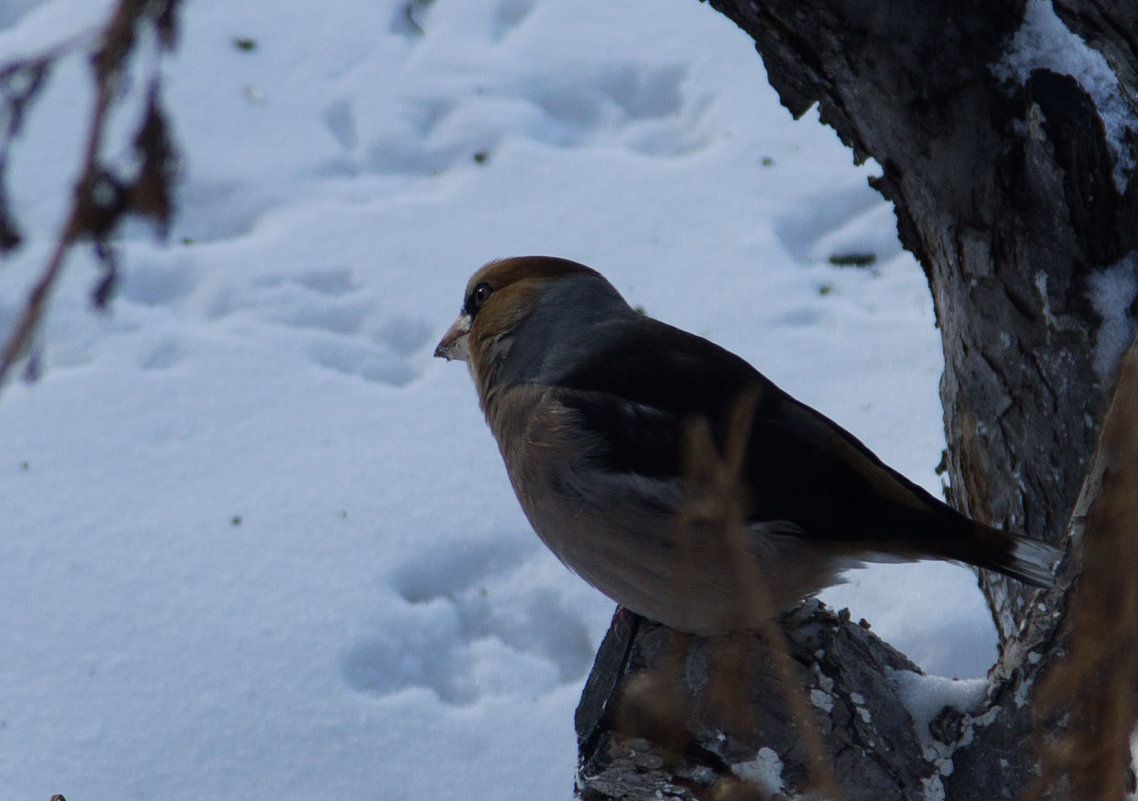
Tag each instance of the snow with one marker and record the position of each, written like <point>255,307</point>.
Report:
<point>933,788</point>
<point>1043,41</point>
<point>926,697</point>
<point>258,542</point>
<point>764,771</point>
<point>822,700</point>
<point>1112,291</point>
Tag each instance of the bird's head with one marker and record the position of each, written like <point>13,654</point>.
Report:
<point>524,318</point>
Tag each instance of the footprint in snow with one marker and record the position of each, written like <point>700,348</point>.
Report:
<point>508,16</point>
<point>338,324</point>
<point>12,11</point>
<point>319,300</point>
<point>211,212</point>
<point>850,226</point>
<point>430,140</point>
<point>383,356</point>
<point>471,621</point>
<point>647,110</point>
<point>340,119</point>
<point>644,108</point>
<point>364,360</point>
<point>164,355</point>
<point>411,18</point>
<point>158,285</point>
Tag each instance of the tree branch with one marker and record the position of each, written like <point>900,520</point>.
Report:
<point>100,199</point>
<point>1005,189</point>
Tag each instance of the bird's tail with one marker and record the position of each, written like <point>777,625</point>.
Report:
<point>1030,561</point>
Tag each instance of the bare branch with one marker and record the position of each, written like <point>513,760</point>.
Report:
<point>101,198</point>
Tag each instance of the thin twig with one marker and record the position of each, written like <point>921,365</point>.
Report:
<point>85,217</point>
<point>753,588</point>
<point>712,518</point>
<point>19,342</point>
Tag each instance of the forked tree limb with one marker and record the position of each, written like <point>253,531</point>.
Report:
<point>654,719</point>
<point>1010,194</point>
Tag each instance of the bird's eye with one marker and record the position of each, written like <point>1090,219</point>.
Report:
<point>479,296</point>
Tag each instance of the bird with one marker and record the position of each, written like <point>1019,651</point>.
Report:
<point>671,474</point>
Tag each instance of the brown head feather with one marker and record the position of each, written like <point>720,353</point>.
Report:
<point>514,284</point>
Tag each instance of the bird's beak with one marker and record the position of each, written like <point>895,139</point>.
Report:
<point>454,344</point>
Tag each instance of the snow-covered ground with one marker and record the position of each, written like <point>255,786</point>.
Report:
<point>257,542</point>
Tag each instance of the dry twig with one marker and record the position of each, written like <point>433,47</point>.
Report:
<point>102,197</point>
<point>654,704</point>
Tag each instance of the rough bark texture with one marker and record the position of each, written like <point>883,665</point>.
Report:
<point>1111,28</point>
<point>1092,694</point>
<point>655,717</point>
<point>1007,194</point>
<point>693,693</point>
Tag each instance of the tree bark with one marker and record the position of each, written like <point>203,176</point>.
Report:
<point>1112,29</point>
<point>1010,196</point>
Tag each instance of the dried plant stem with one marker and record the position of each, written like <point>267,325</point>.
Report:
<point>717,507</point>
<point>821,770</point>
<point>87,217</point>
<point>20,341</point>
<point>1090,698</point>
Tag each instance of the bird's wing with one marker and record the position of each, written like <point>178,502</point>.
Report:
<point>837,488</point>
<point>638,391</point>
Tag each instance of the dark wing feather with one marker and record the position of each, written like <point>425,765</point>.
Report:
<point>636,391</point>
<point>803,464</point>
<point>655,365</point>
<point>628,437</point>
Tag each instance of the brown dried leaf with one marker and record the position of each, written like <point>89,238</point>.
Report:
<point>150,196</point>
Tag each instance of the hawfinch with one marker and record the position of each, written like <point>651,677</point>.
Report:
<point>618,431</point>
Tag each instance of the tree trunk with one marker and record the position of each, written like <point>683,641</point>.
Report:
<point>1021,207</point>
